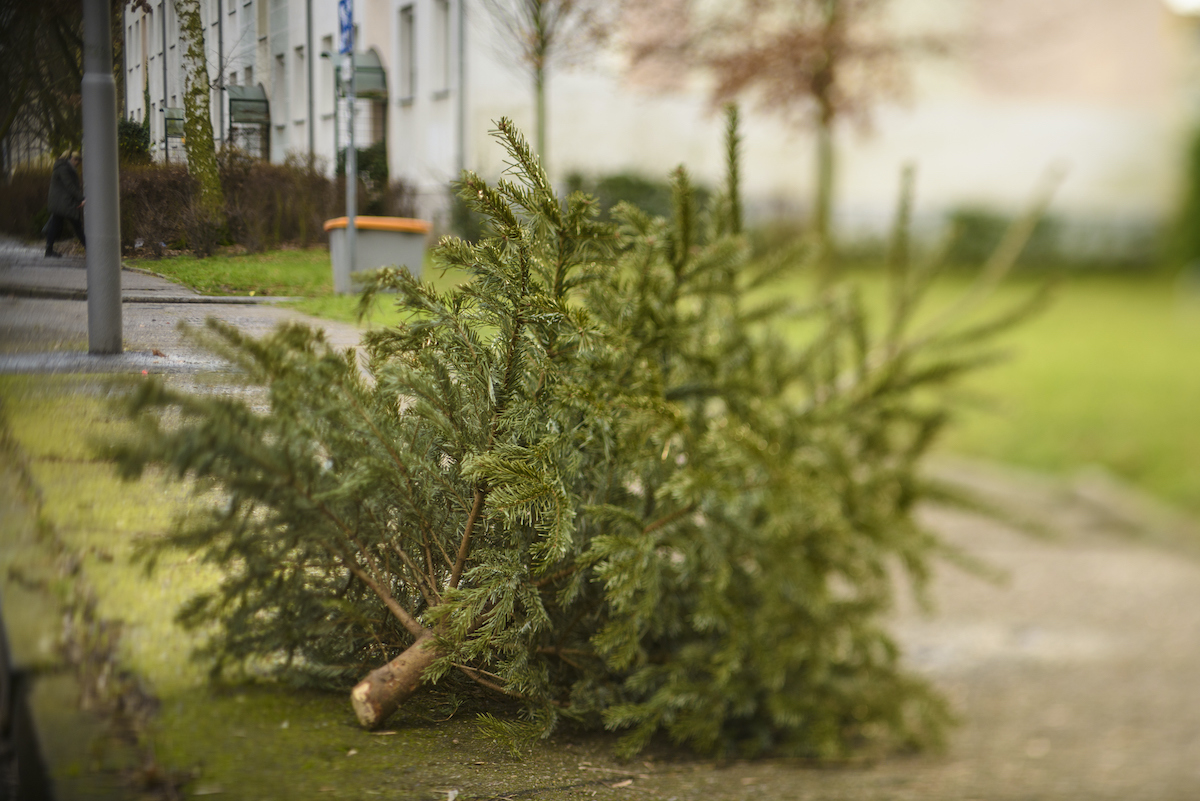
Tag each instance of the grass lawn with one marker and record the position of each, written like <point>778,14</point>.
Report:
<point>290,273</point>
<point>1109,375</point>
<point>305,275</point>
<point>1106,376</point>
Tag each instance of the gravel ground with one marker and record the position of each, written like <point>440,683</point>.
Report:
<point>1077,676</point>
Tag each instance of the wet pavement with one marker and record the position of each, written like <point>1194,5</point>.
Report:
<point>43,318</point>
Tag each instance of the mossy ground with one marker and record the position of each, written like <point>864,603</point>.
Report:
<point>255,740</point>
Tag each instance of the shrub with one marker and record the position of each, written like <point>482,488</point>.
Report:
<point>372,163</point>
<point>266,205</point>
<point>23,203</point>
<point>156,205</point>
<point>978,232</point>
<point>1185,236</point>
<point>269,204</point>
<point>133,142</point>
<point>652,196</point>
<point>589,479</point>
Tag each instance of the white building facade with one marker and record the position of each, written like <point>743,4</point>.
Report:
<point>1100,86</point>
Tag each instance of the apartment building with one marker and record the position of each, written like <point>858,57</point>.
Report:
<point>1106,88</point>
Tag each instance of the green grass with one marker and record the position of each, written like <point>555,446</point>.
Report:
<point>1109,375</point>
<point>288,273</point>
<point>304,275</point>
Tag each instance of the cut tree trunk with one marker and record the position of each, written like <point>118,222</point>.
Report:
<point>382,692</point>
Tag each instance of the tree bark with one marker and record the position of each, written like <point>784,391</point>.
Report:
<point>201,151</point>
<point>382,692</point>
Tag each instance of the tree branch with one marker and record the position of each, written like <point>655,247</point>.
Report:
<point>406,619</point>
<point>671,518</point>
<point>464,547</point>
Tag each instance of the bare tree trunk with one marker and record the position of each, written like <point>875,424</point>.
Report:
<point>201,151</point>
<point>539,102</point>
<point>382,692</point>
<point>823,198</point>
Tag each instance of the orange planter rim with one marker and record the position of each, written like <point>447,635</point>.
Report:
<point>407,225</point>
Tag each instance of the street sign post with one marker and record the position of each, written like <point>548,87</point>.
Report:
<point>346,48</point>
<point>345,26</point>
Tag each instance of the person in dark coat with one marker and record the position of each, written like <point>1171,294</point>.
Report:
<point>65,202</point>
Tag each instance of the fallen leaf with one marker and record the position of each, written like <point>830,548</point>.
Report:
<point>352,752</point>
<point>625,783</point>
<point>159,353</point>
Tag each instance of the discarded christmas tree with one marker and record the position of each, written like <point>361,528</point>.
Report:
<point>590,478</point>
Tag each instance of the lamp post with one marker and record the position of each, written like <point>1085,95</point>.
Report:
<point>346,48</point>
<point>102,223</point>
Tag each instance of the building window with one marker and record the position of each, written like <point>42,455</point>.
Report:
<point>279,97</point>
<point>440,62</point>
<point>299,84</point>
<point>407,59</point>
<point>326,97</point>
<point>249,76</point>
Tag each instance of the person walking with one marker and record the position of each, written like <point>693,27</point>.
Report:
<point>65,202</point>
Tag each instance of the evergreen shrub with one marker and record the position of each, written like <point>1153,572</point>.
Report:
<point>651,196</point>
<point>1185,235</point>
<point>133,142</point>
<point>592,479</point>
<point>978,232</point>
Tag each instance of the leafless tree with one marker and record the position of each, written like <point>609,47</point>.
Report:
<point>816,62</point>
<point>41,47</point>
<point>541,32</point>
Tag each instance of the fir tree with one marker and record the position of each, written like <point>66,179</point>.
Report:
<point>591,478</point>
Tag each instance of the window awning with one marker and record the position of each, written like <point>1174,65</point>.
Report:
<point>248,105</point>
<point>370,78</point>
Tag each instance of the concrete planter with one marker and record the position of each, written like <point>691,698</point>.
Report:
<point>381,242</point>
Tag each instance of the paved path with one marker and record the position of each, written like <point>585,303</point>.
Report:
<point>43,318</point>
<point>1078,677</point>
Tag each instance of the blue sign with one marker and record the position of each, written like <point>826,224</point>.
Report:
<point>345,26</point>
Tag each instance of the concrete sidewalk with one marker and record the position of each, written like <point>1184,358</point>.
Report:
<point>43,318</point>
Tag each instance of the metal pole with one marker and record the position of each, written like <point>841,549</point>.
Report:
<point>351,181</point>
<point>337,116</point>
<point>462,88</point>
<point>220,72</point>
<point>308,53</point>
<point>102,222</point>
<point>166,143</point>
